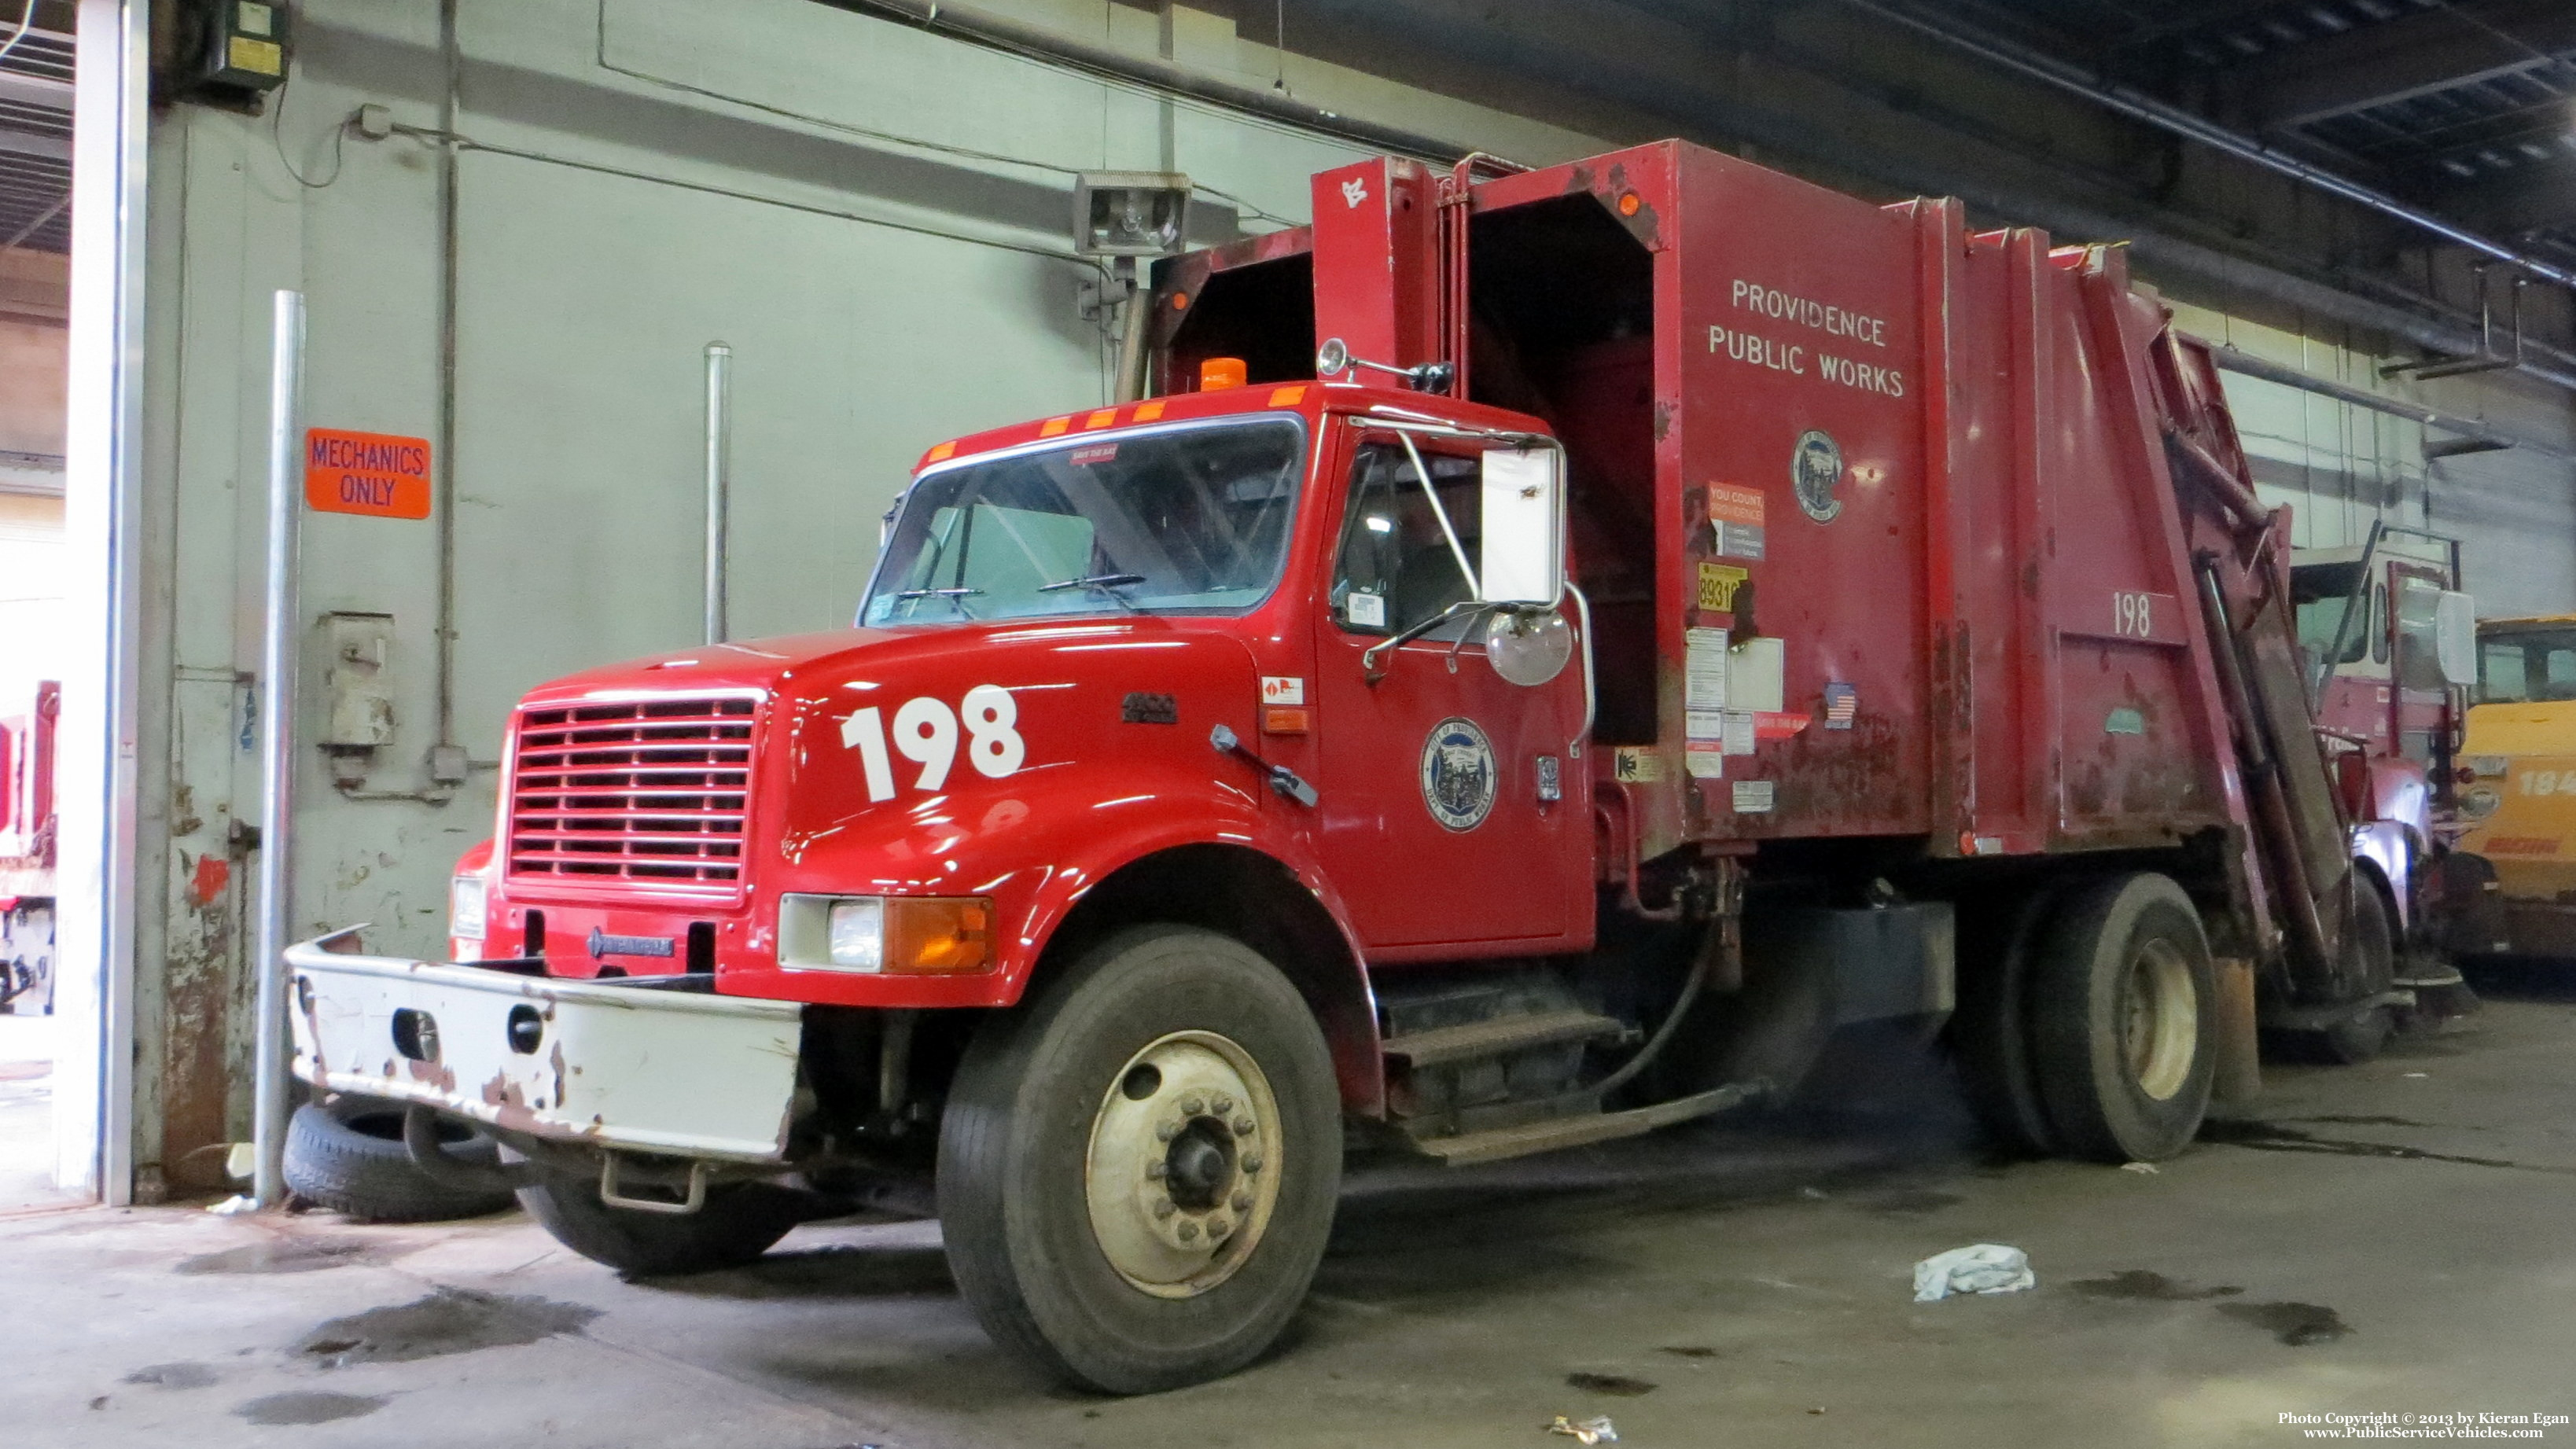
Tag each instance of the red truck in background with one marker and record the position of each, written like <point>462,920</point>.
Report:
<point>2391,641</point>
<point>1547,649</point>
<point>27,855</point>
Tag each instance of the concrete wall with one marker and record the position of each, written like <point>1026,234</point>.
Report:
<point>2340,466</point>
<point>874,219</point>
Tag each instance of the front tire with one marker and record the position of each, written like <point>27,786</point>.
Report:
<point>738,1223</point>
<point>2374,948</point>
<point>1138,1167</point>
<point>2123,1014</point>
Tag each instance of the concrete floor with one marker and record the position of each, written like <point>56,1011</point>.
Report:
<point>26,1112</point>
<point>2391,1238</point>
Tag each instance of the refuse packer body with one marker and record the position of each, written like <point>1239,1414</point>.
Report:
<point>1540,652</point>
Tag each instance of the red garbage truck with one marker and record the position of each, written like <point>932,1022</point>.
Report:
<point>1539,650</point>
<point>27,830</point>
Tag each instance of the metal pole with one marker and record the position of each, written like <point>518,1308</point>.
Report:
<point>719,446</point>
<point>277,740</point>
<point>1134,319</point>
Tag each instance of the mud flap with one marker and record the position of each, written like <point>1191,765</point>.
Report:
<point>2239,1077</point>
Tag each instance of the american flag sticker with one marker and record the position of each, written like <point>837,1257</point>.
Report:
<point>1841,703</point>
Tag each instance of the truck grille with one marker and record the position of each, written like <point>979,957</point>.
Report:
<point>652,790</point>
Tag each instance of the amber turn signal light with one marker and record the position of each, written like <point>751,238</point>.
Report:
<point>1284,719</point>
<point>938,937</point>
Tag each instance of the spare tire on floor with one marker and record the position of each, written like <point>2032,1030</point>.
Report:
<point>349,1157</point>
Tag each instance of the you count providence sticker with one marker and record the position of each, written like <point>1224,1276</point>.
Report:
<point>375,474</point>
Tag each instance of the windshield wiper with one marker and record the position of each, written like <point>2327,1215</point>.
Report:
<point>956,597</point>
<point>1108,584</point>
<point>1093,581</point>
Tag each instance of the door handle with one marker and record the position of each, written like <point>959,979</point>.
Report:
<point>1281,778</point>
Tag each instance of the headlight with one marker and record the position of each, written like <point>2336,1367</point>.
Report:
<point>856,938</point>
<point>465,908</point>
<point>892,935</point>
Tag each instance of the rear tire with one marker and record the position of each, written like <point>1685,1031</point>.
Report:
<point>2123,1015</point>
<point>1990,1032</point>
<point>1087,1169</point>
<point>738,1223</point>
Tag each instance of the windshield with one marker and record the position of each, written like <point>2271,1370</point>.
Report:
<point>2527,664</point>
<point>1187,520</point>
<point>2322,592</point>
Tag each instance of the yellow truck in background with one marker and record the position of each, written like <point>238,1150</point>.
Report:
<point>2517,786</point>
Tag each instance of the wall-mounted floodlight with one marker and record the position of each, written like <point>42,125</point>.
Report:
<point>1130,213</point>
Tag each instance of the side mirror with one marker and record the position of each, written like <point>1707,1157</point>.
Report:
<point>2455,637</point>
<point>1523,548</point>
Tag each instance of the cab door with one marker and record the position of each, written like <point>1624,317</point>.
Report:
<point>1453,812</point>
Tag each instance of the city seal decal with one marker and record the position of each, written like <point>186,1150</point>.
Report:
<point>1458,774</point>
<point>1815,469</point>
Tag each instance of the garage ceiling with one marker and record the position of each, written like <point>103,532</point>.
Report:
<point>36,132</point>
<point>2467,107</point>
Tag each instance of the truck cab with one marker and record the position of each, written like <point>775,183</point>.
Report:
<point>2517,792</point>
<point>2387,631</point>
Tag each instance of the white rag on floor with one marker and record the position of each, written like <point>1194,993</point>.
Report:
<point>1978,1268</point>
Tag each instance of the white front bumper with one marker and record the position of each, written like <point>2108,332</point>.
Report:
<point>625,1066</point>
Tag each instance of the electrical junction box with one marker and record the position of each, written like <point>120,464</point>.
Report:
<point>357,681</point>
<point>246,45</point>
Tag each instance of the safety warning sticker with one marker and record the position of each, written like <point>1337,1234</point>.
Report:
<point>1737,734</point>
<point>1635,765</point>
<point>376,474</point>
<point>1704,668</point>
<point>1753,797</point>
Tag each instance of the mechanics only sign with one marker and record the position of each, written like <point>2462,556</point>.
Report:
<point>374,474</point>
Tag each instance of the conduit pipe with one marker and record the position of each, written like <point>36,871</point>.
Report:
<point>277,747</point>
<point>2139,106</point>
<point>999,32</point>
<point>2230,359</point>
<point>719,439</point>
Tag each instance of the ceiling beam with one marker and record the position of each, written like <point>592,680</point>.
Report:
<point>2529,198</point>
<point>36,90</point>
<point>15,142</point>
<point>2416,55</point>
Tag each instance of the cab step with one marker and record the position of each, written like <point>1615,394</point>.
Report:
<point>1552,1133</point>
<point>1520,1031</point>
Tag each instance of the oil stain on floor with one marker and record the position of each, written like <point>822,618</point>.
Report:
<point>282,1255</point>
<point>309,1408</point>
<point>183,1375</point>
<point>2299,1325</point>
<point>449,1320</point>
<point>2280,1137</point>
<point>1615,1385</point>
<point>2139,1284</point>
